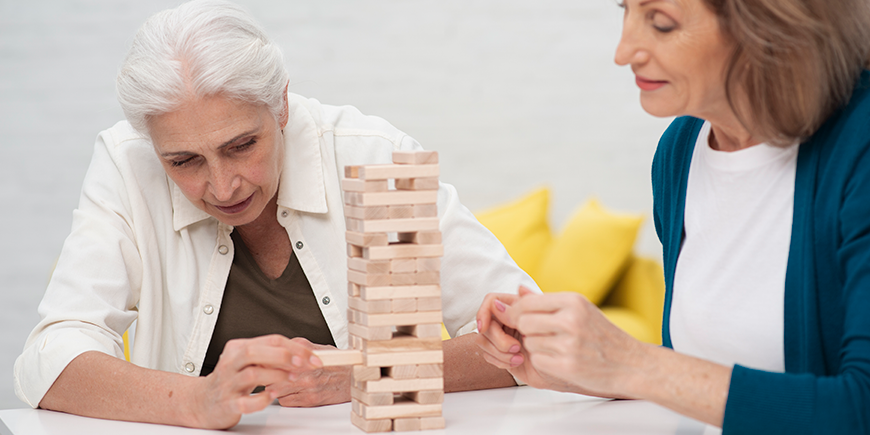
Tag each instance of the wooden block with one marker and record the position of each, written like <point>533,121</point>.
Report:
<point>426,304</point>
<point>415,157</point>
<point>400,292</point>
<point>357,251</point>
<point>351,171</point>
<point>395,197</point>
<point>396,319</point>
<point>371,266</point>
<point>353,290</point>
<point>422,237</point>
<point>401,408</point>
<point>363,373</point>
<point>368,279</point>
<point>372,399</point>
<point>429,370</point>
<point>370,332</point>
<point>339,357</point>
<point>373,307</point>
<point>402,344</point>
<point>431,264</point>
<point>430,423</point>
<point>408,371</point>
<point>425,397</point>
<point>385,385</point>
<point>385,172</point>
<point>406,424</point>
<point>404,305</point>
<point>404,279</point>
<point>425,210</point>
<point>421,330</point>
<point>372,426</point>
<point>402,250</point>
<point>356,342</point>
<point>366,240</point>
<point>400,211</point>
<point>403,358</point>
<point>392,225</point>
<point>428,278</point>
<point>357,185</point>
<point>403,265</point>
<point>368,213</point>
<point>428,183</point>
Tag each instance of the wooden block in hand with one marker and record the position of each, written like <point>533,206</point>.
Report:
<point>426,397</point>
<point>386,172</point>
<point>402,250</point>
<point>429,183</point>
<point>371,426</point>
<point>337,357</point>
<point>357,185</point>
<point>421,330</point>
<point>394,197</point>
<point>392,225</point>
<point>369,213</point>
<point>422,237</point>
<point>415,157</point>
<point>400,292</point>
<point>365,240</point>
<point>406,424</point>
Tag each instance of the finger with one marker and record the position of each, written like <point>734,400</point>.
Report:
<point>551,302</point>
<point>485,312</point>
<point>541,324</point>
<point>254,402</point>
<point>504,358</point>
<point>516,361</point>
<point>269,351</point>
<point>253,376</point>
<point>501,339</point>
<point>524,291</point>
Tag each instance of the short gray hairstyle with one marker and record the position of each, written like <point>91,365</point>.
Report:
<point>199,49</point>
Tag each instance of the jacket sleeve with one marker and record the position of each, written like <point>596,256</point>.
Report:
<point>837,402</point>
<point>90,299</point>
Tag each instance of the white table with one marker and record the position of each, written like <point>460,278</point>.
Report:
<point>517,410</point>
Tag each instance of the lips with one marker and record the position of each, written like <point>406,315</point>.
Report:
<point>236,208</point>
<point>646,84</point>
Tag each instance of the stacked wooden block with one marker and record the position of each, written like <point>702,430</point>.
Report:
<point>394,314</point>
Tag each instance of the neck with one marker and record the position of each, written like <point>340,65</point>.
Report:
<point>265,223</point>
<point>729,134</point>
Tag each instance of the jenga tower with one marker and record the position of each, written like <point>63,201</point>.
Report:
<point>394,314</point>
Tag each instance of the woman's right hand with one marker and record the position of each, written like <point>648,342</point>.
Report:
<point>245,364</point>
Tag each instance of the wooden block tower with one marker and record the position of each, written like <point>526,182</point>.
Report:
<point>394,293</point>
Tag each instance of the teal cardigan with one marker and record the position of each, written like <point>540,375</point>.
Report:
<point>826,386</point>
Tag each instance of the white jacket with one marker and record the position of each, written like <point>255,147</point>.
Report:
<point>139,250</point>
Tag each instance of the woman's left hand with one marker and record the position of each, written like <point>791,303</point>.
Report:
<point>568,337</point>
<point>324,386</point>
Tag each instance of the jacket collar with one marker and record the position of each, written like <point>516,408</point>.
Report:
<point>301,186</point>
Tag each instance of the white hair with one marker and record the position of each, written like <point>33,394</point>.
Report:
<point>199,49</point>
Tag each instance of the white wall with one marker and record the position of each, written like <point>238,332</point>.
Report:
<point>513,94</point>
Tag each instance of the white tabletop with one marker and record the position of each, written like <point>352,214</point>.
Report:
<point>518,410</point>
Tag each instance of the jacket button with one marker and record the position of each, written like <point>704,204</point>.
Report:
<point>326,300</point>
<point>299,245</point>
<point>189,367</point>
<point>223,249</point>
<point>284,213</point>
<point>208,309</point>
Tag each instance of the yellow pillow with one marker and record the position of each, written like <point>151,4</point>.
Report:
<point>642,290</point>
<point>632,323</point>
<point>590,253</point>
<point>522,227</point>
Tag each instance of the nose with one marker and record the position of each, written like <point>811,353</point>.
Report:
<point>630,50</point>
<point>223,181</point>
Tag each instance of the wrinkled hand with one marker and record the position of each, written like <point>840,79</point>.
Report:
<point>324,386</point>
<point>568,337</point>
<point>245,364</point>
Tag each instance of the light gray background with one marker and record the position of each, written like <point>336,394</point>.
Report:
<point>513,94</point>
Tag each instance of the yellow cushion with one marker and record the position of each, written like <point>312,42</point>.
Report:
<point>590,253</point>
<point>632,323</point>
<point>444,334</point>
<point>642,290</point>
<point>522,227</point>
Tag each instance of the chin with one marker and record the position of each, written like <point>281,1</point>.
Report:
<point>658,107</point>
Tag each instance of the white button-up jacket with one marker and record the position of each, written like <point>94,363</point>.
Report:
<point>140,251</point>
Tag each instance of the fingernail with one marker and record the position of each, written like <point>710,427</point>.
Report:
<point>517,360</point>
<point>514,349</point>
<point>479,325</point>
<point>296,361</point>
<point>500,306</point>
<point>315,361</point>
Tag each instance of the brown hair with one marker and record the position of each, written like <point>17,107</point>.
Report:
<point>794,61</point>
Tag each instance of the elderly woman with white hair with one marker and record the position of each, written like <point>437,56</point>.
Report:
<point>213,217</point>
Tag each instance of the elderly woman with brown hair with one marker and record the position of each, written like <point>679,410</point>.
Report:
<point>762,202</point>
<point>213,217</point>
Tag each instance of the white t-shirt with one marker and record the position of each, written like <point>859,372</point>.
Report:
<point>729,283</point>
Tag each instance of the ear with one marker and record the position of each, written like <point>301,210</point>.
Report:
<point>285,114</point>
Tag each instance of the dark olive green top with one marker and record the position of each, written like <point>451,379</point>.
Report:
<point>255,305</point>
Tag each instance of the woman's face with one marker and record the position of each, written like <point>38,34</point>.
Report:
<point>225,155</point>
<point>678,54</point>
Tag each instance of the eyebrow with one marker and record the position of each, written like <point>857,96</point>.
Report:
<point>223,145</point>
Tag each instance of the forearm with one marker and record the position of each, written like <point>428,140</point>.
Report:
<point>465,368</point>
<point>98,385</point>
<point>691,386</point>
